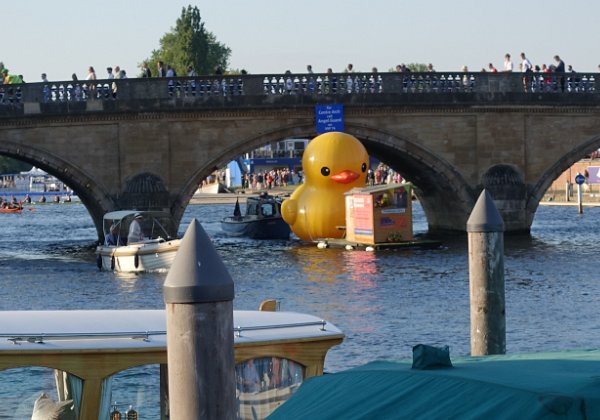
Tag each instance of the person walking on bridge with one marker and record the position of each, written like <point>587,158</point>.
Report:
<point>508,65</point>
<point>526,69</point>
<point>560,68</point>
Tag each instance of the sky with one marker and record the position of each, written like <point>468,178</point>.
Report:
<point>63,37</point>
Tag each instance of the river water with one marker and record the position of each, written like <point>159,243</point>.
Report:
<point>385,302</point>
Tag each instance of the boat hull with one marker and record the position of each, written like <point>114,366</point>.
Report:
<point>267,228</point>
<point>17,210</point>
<point>138,257</point>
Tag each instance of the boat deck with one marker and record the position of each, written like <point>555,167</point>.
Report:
<point>349,245</point>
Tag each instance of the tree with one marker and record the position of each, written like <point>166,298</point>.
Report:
<point>417,67</point>
<point>189,43</point>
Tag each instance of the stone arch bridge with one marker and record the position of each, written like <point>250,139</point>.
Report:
<point>146,144</point>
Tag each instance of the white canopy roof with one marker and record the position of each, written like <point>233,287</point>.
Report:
<point>34,171</point>
<point>96,329</point>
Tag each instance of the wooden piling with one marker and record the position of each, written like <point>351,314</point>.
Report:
<point>485,229</point>
<point>199,293</point>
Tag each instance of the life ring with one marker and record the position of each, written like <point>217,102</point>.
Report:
<point>112,263</point>
<point>136,261</point>
<point>99,262</point>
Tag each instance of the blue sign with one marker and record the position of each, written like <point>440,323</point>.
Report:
<point>329,118</point>
<point>579,179</point>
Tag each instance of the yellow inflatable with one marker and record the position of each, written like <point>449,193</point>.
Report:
<point>333,163</point>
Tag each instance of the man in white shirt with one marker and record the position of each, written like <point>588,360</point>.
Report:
<point>135,230</point>
<point>526,64</point>
<point>526,68</point>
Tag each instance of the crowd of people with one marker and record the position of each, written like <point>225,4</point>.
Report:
<point>273,178</point>
<point>282,177</point>
<point>524,65</point>
<point>165,70</point>
<point>383,174</point>
<point>162,70</point>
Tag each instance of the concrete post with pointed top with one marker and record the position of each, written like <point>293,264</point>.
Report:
<point>199,294</point>
<point>485,229</point>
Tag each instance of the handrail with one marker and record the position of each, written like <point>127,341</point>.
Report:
<point>137,335</point>
<point>41,338</point>
<point>212,88</point>
<point>238,330</point>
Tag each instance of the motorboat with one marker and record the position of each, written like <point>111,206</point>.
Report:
<point>96,363</point>
<point>156,251</point>
<point>262,219</point>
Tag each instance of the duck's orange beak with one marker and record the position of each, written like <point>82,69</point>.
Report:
<point>345,177</point>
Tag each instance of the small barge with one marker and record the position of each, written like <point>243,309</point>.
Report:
<point>377,218</point>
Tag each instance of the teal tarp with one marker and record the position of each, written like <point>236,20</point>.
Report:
<point>562,385</point>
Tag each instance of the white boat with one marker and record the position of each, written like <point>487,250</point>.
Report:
<point>156,251</point>
<point>83,355</point>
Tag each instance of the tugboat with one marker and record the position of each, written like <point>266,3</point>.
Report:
<point>262,219</point>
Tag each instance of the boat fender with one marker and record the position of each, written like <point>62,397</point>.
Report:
<point>370,249</point>
<point>349,247</point>
<point>322,245</point>
<point>112,263</point>
<point>136,261</point>
<point>99,262</point>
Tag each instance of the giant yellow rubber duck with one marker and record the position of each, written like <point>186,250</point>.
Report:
<point>333,163</point>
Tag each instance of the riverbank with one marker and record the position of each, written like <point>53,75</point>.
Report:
<point>569,203</point>
<point>588,200</point>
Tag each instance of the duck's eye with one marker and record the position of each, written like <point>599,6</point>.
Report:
<point>325,171</point>
<point>363,167</point>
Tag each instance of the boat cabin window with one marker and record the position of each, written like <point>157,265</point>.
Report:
<point>252,209</point>
<point>268,209</point>
<point>264,384</point>
<point>136,389</point>
<point>33,388</point>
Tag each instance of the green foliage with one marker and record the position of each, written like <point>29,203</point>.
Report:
<point>414,67</point>
<point>417,67</point>
<point>189,43</point>
<point>12,166</point>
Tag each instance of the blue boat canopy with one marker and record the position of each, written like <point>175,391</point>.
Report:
<point>562,385</point>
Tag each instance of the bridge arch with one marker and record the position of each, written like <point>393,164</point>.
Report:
<point>445,195</point>
<point>92,195</point>
<point>237,148</point>
<point>554,171</point>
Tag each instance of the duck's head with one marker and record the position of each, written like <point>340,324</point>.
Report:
<point>335,161</point>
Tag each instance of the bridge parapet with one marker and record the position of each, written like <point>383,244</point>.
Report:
<point>299,90</point>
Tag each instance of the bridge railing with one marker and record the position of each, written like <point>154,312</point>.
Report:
<point>314,85</point>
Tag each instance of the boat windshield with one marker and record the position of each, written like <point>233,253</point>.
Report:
<point>268,209</point>
<point>153,225</point>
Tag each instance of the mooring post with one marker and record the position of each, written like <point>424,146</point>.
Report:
<point>199,293</point>
<point>485,229</point>
<point>579,179</point>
